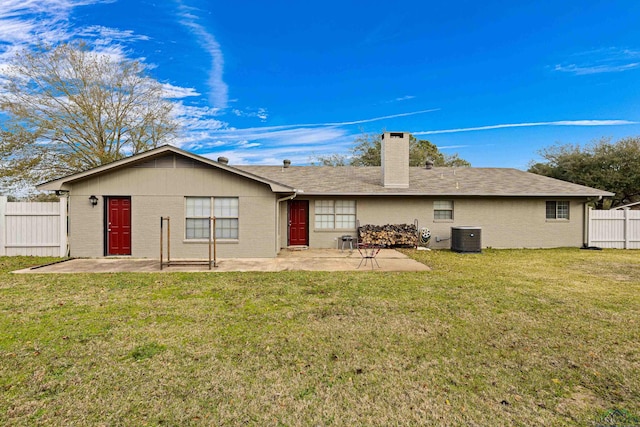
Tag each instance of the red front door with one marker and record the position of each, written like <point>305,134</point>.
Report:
<point>298,220</point>
<point>118,226</point>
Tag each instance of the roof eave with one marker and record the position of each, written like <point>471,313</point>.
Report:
<point>405,194</point>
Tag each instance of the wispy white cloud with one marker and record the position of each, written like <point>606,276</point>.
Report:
<point>271,144</point>
<point>266,131</point>
<point>260,113</point>
<point>299,142</point>
<point>178,92</point>
<point>199,126</point>
<point>404,98</point>
<point>376,119</point>
<point>107,36</point>
<point>609,60</point>
<point>219,90</point>
<point>596,69</point>
<point>25,22</point>
<point>451,147</point>
<point>398,99</point>
<point>532,124</point>
<point>285,146</point>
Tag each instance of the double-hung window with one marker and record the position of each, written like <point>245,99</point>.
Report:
<point>557,209</point>
<point>335,214</point>
<point>198,213</point>
<point>442,209</point>
<point>197,217</point>
<point>225,209</point>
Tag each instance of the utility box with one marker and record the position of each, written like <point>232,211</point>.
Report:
<point>466,239</point>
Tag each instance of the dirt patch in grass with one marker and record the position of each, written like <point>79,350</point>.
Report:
<point>619,271</point>
<point>580,400</point>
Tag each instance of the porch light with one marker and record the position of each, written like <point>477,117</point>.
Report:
<point>93,200</point>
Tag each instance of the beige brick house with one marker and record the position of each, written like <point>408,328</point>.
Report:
<point>115,209</point>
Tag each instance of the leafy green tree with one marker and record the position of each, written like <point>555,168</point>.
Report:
<point>421,150</point>
<point>610,166</point>
<point>366,152</point>
<point>68,108</point>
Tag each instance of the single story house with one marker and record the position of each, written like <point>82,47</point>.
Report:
<point>115,209</point>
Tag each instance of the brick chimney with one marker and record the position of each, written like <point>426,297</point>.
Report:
<point>394,156</point>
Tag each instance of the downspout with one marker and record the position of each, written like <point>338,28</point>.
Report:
<point>278,201</point>
<point>587,223</point>
<point>65,194</point>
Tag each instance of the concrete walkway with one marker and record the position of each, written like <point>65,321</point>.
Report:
<point>302,260</point>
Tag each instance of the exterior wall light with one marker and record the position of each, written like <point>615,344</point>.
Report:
<point>93,200</point>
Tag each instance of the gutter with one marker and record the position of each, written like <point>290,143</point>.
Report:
<point>459,194</point>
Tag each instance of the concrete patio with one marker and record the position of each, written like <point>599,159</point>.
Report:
<point>301,260</point>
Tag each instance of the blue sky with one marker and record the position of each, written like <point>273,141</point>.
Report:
<point>257,82</point>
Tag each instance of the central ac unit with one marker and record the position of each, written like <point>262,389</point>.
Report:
<point>466,239</point>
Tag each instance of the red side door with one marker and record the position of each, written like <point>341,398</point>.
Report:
<point>298,220</point>
<point>119,226</point>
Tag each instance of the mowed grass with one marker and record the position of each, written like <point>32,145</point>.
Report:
<point>506,337</point>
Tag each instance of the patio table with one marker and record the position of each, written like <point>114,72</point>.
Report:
<point>369,254</point>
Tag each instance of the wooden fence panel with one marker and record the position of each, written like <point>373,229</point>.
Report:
<point>33,228</point>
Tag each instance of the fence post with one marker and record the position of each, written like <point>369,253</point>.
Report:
<point>63,227</point>
<point>3,225</point>
<point>590,226</point>
<point>627,229</point>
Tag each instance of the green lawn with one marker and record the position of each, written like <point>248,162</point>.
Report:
<point>506,337</point>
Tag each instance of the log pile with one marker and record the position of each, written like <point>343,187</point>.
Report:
<point>390,235</point>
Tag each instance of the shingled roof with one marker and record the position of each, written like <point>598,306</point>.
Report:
<point>349,180</point>
<point>353,181</point>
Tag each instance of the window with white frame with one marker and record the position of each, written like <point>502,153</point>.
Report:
<point>557,209</point>
<point>198,212</point>
<point>442,209</point>
<point>225,209</point>
<point>335,214</point>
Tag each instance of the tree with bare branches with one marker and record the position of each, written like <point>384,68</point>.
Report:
<point>68,108</point>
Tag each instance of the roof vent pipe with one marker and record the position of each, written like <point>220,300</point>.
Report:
<point>223,160</point>
<point>429,164</point>
<point>286,163</point>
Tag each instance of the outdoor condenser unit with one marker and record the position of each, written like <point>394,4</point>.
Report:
<point>466,239</point>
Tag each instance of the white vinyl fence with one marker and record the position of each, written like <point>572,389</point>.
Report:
<point>33,228</point>
<point>618,229</point>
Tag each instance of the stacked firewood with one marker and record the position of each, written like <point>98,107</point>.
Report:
<point>390,235</point>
